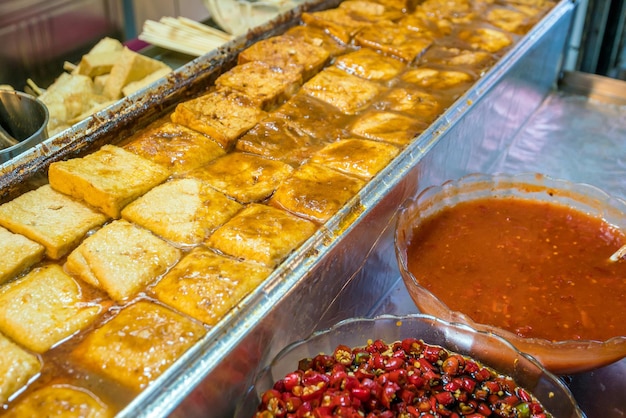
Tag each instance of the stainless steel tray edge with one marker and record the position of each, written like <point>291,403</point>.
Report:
<point>344,269</point>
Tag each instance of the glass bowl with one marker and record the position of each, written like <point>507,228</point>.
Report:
<point>560,357</point>
<point>487,348</point>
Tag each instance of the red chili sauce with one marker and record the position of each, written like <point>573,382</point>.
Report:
<point>533,268</point>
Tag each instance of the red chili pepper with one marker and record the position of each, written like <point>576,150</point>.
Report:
<point>445,398</point>
<point>343,355</point>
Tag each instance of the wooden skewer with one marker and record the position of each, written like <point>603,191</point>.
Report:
<point>619,254</point>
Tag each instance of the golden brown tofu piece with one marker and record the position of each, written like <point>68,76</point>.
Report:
<point>17,367</point>
<point>369,64</point>
<point>427,25</point>
<point>182,211</point>
<point>121,258</point>
<point>261,234</point>
<point>391,127</point>
<point>138,344</point>
<point>268,85</point>
<point>340,23</point>
<point>44,307</point>
<point>221,114</point>
<point>373,11</point>
<point>456,11</point>
<point>50,218</point>
<point>175,147</point>
<point>284,51</point>
<point>316,192</point>
<point>510,20</point>
<point>486,39</point>
<point>60,401</point>
<point>348,93</point>
<point>463,59</point>
<point>433,79</point>
<point>394,40</point>
<point>244,177</point>
<point>107,179</point>
<point>275,138</point>
<point>18,253</point>
<point>318,119</point>
<point>318,37</point>
<point>412,101</point>
<point>206,286</point>
<point>405,6</point>
<point>357,157</point>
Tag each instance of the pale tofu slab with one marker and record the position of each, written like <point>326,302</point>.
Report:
<point>50,218</point>
<point>44,307</point>
<point>138,344</point>
<point>395,128</point>
<point>107,179</point>
<point>267,85</point>
<point>244,177</point>
<point>18,254</point>
<point>358,157</point>
<point>17,367</point>
<point>394,40</point>
<point>223,114</point>
<point>316,192</point>
<point>177,148</point>
<point>182,211</point>
<point>205,285</point>
<point>60,401</point>
<point>348,93</point>
<point>121,258</point>
<point>261,234</point>
<point>369,64</point>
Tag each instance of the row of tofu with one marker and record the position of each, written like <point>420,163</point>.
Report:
<point>126,257</point>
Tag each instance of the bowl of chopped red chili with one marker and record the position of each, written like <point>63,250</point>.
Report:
<point>410,366</point>
<point>524,256</point>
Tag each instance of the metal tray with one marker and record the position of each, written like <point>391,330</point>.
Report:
<point>347,267</point>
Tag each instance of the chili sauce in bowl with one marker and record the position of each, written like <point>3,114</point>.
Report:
<point>525,257</point>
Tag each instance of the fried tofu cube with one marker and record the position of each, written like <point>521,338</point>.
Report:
<point>348,93</point>
<point>358,157</point>
<point>107,179</point>
<point>284,51</point>
<point>374,11</point>
<point>340,23</point>
<point>121,258</point>
<point>367,63</point>
<point>316,192</point>
<point>44,307</point>
<point>261,234</point>
<point>206,286</point>
<point>426,25</point>
<point>267,85</point>
<point>130,66</point>
<point>221,114</point>
<point>510,20</point>
<point>318,37</point>
<point>60,401</point>
<point>391,127</point>
<point>137,345</point>
<point>412,101</point>
<point>463,59</point>
<point>394,40</point>
<point>175,147</point>
<point>244,177</point>
<point>182,211</point>
<point>51,219</point>
<point>18,252</point>
<point>434,79</point>
<point>277,139</point>
<point>486,39</point>
<point>316,118</point>
<point>456,11</point>
<point>17,367</point>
